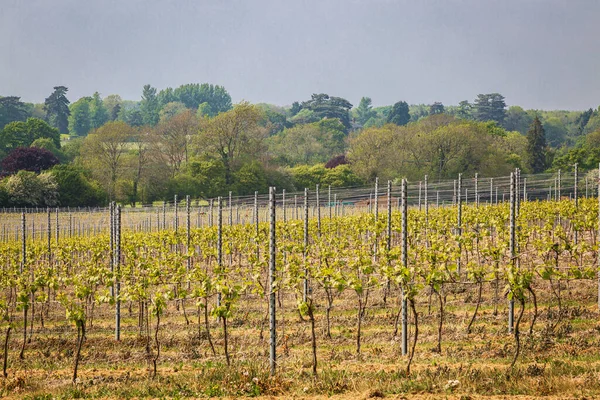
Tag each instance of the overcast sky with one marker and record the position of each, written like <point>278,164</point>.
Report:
<point>537,53</point>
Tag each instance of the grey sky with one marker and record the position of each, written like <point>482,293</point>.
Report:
<point>539,54</point>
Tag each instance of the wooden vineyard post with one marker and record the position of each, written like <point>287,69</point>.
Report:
<point>318,210</point>
<point>295,207</point>
<point>118,273</point>
<point>404,263</point>
<point>111,228</point>
<point>329,202</point>
<point>188,228</point>
<point>476,189</point>
<point>164,210</point>
<point>272,265</point>
<point>491,191</point>
<point>512,248</point>
<point>49,232</point>
<point>389,218</point>
<point>575,194</point>
<point>305,255</point>
<point>459,222</point>
<point>559,185</point>
<point>420,190</point>
<point>426,199</point>
<point>219,242</point>
<point>176,217</point>
<point>283,206</point>
<point>376,198</point>
<point>230,207</point>
<point>256,222</point>
<point>210,213</point>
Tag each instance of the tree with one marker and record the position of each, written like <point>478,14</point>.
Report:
<point>464,110</point>
<point>490,107</point>
<point>98,112</point>
<point>436,108</point>
<point>149,106</point>
<point>74,188</point>
<point>295,109</point>
<point>364,111</point>
<point>536,146</point>
<point>325,106</point>
<point>113,104</point>
<point>103,150</point>
<point>336,161</point>
<point>170,140</point>
<point>31,159</point>
<point>114,114</point>
<point>12,109</point>
<point>170,110</point>
<point>517,119</point>
<point>399,114</point>
<point>28,189</point>
<point>23,134</point>
<point>233,136</point>
<point>308,143</point>
<point>80,122</point>
<point>194,94</point>
<point>57,109</point>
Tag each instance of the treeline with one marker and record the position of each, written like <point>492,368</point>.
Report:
<point>193,140</point>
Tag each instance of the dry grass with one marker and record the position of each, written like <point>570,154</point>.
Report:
<point>563,362</point>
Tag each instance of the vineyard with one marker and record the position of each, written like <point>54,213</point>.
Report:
<point>463,288</point>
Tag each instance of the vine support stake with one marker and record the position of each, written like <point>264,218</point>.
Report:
<point>272,272</point>
<point>459,222</point>
<point>476,189</point>
<point>512,247</point>
<point>118,273</point>
<point>49,231</point>
<point>491,191</point>
<point>188,228</point>
<point>598,258</point>
<point>219,242</point>
<point>404,263</point>
<point>305,289</point>
<point>318,210</point>
<point>176,217</point>
<point>576,199</point>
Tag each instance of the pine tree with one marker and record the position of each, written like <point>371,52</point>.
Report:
<point>536,146</point>
<point>57,109</point>
<point>399,114</point>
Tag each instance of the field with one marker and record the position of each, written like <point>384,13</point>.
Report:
<point>194,321</point>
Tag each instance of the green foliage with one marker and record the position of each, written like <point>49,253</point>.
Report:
<point>305,176</point>
<point>12,109</point>
<point>57,109</point>
<point>149,106</point>
<point>74,188</point>
<point>170,110</point>
<point>489,107</point>
<point>536,146</point>
<point>249,178</point>
<point>364,111</point>
<point>308,143</point>
<point>28,189</point>
<point>325,106</point>
<point>80,121</point>
<point>518,120</point>
<point>436,108</point>
<point>23,134</point>
<point>98,112</point>
<point>399,114</point>
<point>439,146</point>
